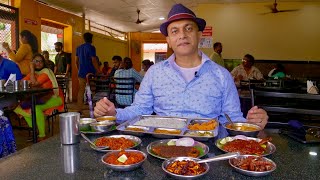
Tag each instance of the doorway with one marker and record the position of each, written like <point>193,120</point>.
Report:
<point>155,52</point>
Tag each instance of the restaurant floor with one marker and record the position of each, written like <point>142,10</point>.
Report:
<point>23,136</point>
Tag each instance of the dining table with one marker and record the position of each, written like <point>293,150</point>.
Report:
<point>50,159</point>
<point>28,92</point>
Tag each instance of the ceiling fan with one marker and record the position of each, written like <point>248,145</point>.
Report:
<point>138,20</point>
<point>274,8</point>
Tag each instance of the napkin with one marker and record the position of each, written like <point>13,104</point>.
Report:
<point>312,89</point>
<point>11,78</point>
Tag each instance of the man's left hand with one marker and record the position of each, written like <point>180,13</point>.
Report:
<point>257,116</point>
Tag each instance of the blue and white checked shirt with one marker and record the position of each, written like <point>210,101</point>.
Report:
<point>126,73</point>
<point>164,91</point>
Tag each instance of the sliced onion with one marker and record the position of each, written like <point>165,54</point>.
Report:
<point>185,142</point>
<point>242,137</point>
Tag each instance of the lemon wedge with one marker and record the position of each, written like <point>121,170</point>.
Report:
<point>122,158</point>
<point>171,142</point>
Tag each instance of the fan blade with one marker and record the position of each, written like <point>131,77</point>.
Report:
<point>289,10</point>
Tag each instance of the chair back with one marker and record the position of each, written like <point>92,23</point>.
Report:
<point>63,85</point>
<point>123,86</point>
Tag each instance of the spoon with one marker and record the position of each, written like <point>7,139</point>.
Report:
<point>229,119</point>
<point>96,147</point>
<point>220,157</point>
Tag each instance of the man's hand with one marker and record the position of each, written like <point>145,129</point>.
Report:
<point>5,45</point>
<point>104,108</point>
<point>257,116</point>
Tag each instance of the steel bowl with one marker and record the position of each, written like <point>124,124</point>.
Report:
<point>106,118</point>
<point>252,173</point>
<point>123,167</point>
<point>103,126</point>
<point>237,131</point>
<point>177,176</point>
<point>85,124</point>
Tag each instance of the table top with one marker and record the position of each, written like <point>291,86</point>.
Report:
<point>20,91</point>
<point>49,159</point>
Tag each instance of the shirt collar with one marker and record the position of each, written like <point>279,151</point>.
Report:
<point>170,60</point>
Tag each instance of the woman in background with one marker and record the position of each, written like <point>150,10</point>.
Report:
<point>41,77</point>
<point>28,47</point>
<point>246,70</point>
<point>278,72</point>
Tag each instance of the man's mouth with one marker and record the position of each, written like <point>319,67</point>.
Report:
<point>183,44</point>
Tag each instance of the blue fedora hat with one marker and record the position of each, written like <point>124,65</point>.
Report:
<point>178,12</point>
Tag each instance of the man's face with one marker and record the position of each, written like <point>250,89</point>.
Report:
<point>57,48</point>
<point>116,64</point>
<point>218,49</point>
<point>46,56</point>
<point>183,37</point>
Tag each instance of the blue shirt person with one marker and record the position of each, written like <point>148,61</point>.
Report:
<point>188,84</point>
<point>8,67</point>
<point>126,72</point>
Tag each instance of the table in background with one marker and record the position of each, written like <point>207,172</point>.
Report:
<point>32,92</point>
<point>51,160</point>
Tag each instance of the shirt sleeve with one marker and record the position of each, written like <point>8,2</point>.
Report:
<point>230,101</point>
<point>21,53</point>
<point>143,101</point>
<point>258,74</point>
<point>234,72</point>
<point>137,76</point>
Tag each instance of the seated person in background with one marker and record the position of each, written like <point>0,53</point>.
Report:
<point>188,83</point>
<point>126,71</point>
<point>48,62</point>
<point>8,67</point>
<point>145,66</point>
<point>116,63</point>
<point>106,70</point>
<point>278,72</point>
<point>246,70</point>
<point>41,77</point>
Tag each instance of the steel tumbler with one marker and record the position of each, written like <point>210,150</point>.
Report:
<point>70,157</point>
<point>69,128</point>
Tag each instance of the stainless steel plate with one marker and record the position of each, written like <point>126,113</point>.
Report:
<point>270,149</point>
<point>252,173</point>
<point>136,140</point>
<point>97,133</point>
<point>204,147</point>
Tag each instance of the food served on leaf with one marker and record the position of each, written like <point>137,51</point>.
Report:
<point>167,131</point>
<point>206,126</point>
<point>115,143</point>
<point>242,127</point>
<point>253,163</point>
<point>185,167</point>
<point>244,146</point>
<point>175,151</point>
<point>124,158</point>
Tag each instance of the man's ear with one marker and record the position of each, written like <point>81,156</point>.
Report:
<point>168,41</point>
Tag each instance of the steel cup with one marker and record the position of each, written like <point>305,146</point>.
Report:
<point>16,85</point>
<point>25,84</point>
<point>2,82</point>
<point>69,128</point>
<point>70,158</point>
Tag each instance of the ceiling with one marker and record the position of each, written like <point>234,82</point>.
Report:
<point>122,14</point>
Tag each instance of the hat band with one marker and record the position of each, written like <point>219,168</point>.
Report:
<point>181,16</point>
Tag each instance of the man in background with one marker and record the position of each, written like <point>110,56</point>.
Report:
<point>62,60</point>
<point>106,70</point>
<point>86,61</point>
<point>216,55</point>
<point>116,64</point>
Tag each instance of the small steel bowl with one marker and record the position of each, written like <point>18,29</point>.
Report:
<point>103,126</point>
<point>252,173</point>
<point>237,131</point>
<point>124,167</point>
<point>106,118</point>
<point>177,176</point>
<point>85,124</point>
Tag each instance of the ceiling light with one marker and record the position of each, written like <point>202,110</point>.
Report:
<point>313,153</point>
<point>161,18</point>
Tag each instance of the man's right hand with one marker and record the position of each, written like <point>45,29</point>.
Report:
<point>104,108</point>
